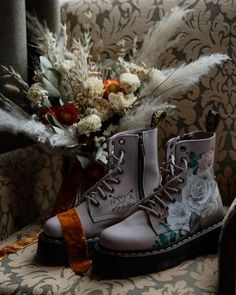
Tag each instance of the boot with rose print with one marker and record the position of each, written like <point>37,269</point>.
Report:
<point>133,173</point>
<point>180,219</point>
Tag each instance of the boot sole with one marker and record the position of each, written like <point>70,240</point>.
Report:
<point>112,264</point>
<point>52,251</point>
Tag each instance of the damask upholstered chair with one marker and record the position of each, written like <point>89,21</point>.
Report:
<point>31,177</point>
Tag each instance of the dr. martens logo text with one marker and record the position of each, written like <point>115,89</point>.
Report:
<point>122,202</point>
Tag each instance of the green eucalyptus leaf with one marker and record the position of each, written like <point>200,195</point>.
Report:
<point>51,74</point>
<point>44,63</point>
<point>51,89</point>
<point>108,63</point>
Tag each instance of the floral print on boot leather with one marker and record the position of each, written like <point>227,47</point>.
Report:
<point>182,218</point>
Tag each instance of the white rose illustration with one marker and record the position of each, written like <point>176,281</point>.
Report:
<point>197,192</point>
<point>206,160</point>
<point>178,216</point>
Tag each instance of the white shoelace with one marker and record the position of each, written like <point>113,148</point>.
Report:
<point>105,184</point>
<point>163,193</point>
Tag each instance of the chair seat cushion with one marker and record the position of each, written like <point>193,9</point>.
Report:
<point>22,273</point>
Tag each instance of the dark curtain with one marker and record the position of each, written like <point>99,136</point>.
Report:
<point>13,46</point>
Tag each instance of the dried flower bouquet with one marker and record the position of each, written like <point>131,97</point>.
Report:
<point>77,102</point>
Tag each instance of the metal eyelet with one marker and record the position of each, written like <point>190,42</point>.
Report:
<point>183,148</point>
<point>97,204</point>
<point>158,216</point>
<point>120,171</point>
<point>112,190</point>
<point>121,141</point>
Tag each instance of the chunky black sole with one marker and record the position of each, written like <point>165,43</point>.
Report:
<point>112,264</point>
<point>53,251</point>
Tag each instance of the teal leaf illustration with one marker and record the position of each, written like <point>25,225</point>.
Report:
<point>172,236</point>
<point>156,244</point>
<point>193,161</point>
<point>163,239</point>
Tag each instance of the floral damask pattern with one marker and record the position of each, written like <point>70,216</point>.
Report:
<point>29,181</point>
<point>210,27</point>
<point>30,177</point>
<point>22,273</point>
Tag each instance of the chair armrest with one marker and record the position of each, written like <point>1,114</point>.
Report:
<point>227,253</point>
<point>29,181</point>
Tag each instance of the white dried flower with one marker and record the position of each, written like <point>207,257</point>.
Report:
<point>129,82</point>
<point>120,102</point>
<point>88,124</point>
<point>100,107</point>
<point>141,71</point>
<point>37,94</point>
<point>93,87</point>
<point>99,141</point>
<point>101,145</point>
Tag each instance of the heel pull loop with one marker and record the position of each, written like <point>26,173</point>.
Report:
<point>212,120</point>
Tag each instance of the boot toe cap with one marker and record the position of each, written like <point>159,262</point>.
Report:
<point>127,236</point>
<point>52,228</point>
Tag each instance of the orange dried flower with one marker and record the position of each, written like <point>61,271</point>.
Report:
<point>111,86</point>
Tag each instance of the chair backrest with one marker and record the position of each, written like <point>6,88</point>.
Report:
<point>208,29</point>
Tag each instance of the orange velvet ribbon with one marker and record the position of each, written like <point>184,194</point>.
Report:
<point>19,245</point>
<point>76,242</point>
<point>67,194</point>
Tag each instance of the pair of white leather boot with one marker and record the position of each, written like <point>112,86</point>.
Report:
<point>140,218</point>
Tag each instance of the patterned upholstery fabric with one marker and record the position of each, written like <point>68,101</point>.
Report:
<point>21,273</point>
<point>29,181</point>
<point>210,28</point>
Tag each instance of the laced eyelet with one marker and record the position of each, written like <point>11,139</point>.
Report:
<point>181,180</point>
<point>122,162</point>
<point>104,198</point>
<point>120,171</point>
<point>112,190</point>
<point>96,204</point>
<point>117,181</point>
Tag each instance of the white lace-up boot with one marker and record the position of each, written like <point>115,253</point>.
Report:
<point>181,219</point>
<point>133,174</point>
